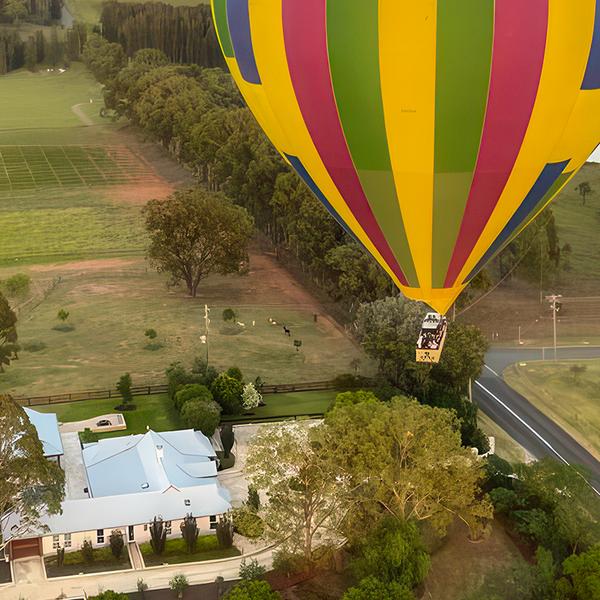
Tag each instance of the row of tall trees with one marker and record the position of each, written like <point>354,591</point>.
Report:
<point>184,33</point>
<point>40,12</point>
<point>54,50</point>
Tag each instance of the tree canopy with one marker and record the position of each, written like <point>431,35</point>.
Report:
<point>8,333</point>
<point>31,484</point>
<point>194,233</point>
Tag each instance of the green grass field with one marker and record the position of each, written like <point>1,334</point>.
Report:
<point>111,305</point>
<point>158,412</point>
<point>572,401</point>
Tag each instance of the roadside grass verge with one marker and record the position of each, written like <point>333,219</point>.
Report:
<point>506,447</point>
<point>571,400</point>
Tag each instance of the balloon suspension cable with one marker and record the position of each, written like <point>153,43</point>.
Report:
<point>464,310</point>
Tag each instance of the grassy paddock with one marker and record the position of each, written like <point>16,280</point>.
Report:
<point>207,548</point>
<point>573,401</point>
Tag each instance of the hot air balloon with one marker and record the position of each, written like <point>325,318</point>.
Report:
<point>434,131</point>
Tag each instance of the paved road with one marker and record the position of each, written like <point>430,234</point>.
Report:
<point>538,434</point>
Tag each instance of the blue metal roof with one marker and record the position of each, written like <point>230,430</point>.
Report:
<point>46,425</point>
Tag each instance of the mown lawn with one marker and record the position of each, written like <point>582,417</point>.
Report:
<point>572,400</point>
<point>158,412</point>
<point>207,548</point>
<point>75,564</point>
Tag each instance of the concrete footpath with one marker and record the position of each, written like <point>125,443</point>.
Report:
<point>36,587</point>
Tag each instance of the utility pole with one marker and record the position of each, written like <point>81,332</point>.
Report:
<point>553,301</point>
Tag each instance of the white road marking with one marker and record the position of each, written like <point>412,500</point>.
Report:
<point>492,370</point>
<point>514,414</point>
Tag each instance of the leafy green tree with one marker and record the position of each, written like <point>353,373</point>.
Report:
<point>109,595</point>
<point>189,532</point>
<point>305,497</point>
<point>584,189</point>
<point>117,543</point>
<point>224,532</point>
<point>392,552</point>
<point>104,59</point>
<point>8,334</point>
<point>194,233</point>
<point>406,460</point>
<point>229,315</point>
<point>192,391</point>
<point>350,398</point>
<point>150,334</point>
<point>124,388</point>
<point>372,588</point>
<point>252,590</point>
<point>236,373</point>
<point>31,484</point>
<point>152,57</point>
<point>87,552</point>
<point>55,53</point>
<point>250,571</point>
<point>204,416</point>
<point>227,391</point>
<point>581,579</point>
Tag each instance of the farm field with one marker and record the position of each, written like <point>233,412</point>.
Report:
<point>572,400</point>
<point>112,302</point>
<point>158,412</point>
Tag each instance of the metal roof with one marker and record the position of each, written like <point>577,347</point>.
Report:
<point>110,512</point>
<point>149,462</point>
<point>46,425</point>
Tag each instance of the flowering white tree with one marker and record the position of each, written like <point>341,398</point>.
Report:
<point>306,500</point>
<point>251,397</point>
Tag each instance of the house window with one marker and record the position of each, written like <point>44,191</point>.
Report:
<point>55,542</point>
<point>145,526</point>
<point>100,536</point>
<point>168,527</point>
<point>67,540</point>
<point>213,521</point>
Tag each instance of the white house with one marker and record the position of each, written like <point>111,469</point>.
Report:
<point>125,482</point>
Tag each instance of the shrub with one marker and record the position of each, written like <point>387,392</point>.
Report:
<point>224,532</point>
<point>87,551</point>
<point>87,436</point>
<point>179,584</point>
<point>109,595</point>
<point>251,398</point>
<point>189,532</point>
<point>251,570</point>
<point>227,391</point>
<point>236,373</point>
<point>124,388</point>
<point>350,398</point>
<point>288,563</point>
<point>117,543</point>
<point>204,416</point>
<point>192,391</point>
<point>227,439</point>
<point>177,377</point>
<point>60,557</point>
<point>62,315</point>
<point>252,590</point>
<point>349,381</point>
<point>372,588</point>
<point>150,333</point>
<point>247,523</point>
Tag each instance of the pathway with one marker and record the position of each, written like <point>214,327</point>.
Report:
<point>28,571</point>
<point>135,556</point>
<point>32,587</point>
<point>72,463</point>
<point>76,108</point>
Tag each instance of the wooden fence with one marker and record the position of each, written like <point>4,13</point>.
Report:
<point>149,390</point>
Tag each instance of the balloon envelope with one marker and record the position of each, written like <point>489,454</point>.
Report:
<point>434,131</point>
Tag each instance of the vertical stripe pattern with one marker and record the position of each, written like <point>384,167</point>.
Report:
<point>518,56</point>
<point>433,131</point>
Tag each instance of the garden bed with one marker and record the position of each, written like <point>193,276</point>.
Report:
<point>74,563</point>
<point>176,552</point>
